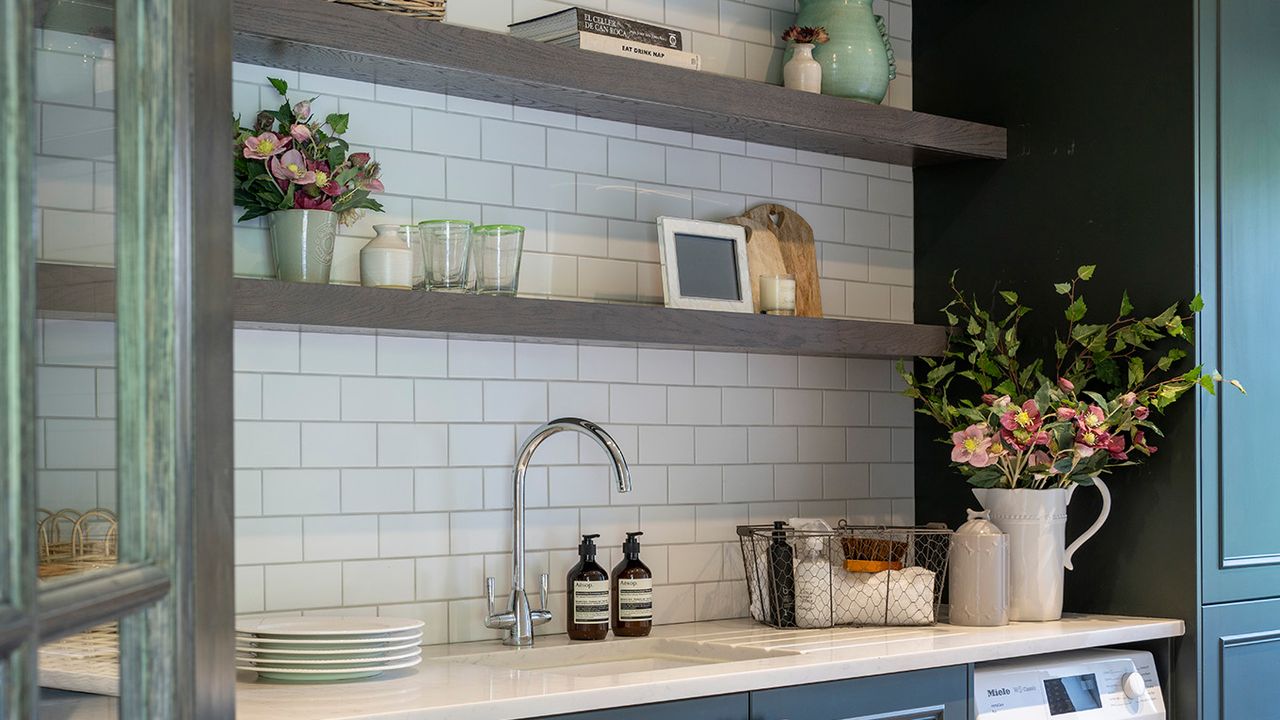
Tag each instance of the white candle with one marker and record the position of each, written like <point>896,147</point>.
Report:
<point>778,294</point>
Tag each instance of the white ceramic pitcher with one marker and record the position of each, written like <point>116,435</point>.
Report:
<point>1036,521</point>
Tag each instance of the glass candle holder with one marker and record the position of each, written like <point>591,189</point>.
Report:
<point>495,257</point>
<point>778,294</point>
<point>446,246</point>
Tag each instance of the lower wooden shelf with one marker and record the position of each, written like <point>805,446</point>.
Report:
<point>76,291</point>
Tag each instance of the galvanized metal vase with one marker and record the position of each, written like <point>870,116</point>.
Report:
<point>857,62</point>
<point>302,243</point>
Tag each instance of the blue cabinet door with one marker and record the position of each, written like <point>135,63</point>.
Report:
<point>722,707</point>
<point>1241,660</point>
<point>934,694</point>
<point>1239,263</point>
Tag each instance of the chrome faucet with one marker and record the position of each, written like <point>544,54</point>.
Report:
<point>519,619</point>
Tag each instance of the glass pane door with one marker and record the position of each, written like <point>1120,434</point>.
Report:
<point>117,496</point>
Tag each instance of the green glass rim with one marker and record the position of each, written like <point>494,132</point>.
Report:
<point>398,226</point>
<point>449,222</point>
<point>499,228</point>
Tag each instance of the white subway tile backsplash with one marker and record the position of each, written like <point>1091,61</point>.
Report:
<point>301,586</point>
<point>340,537</point>
<point>481,359</point>
<point>339,445</point>
<point>333,353</point>
<point>66,392</point>
<point>438,489</point>
<point>299,397</point>
<point>365,582</point>
<point>301,492</point>
<point>268,540</point>
<point>545,189</point>
<point>381,490</point>
<point>577,151</point>
<point>441,419</point>
<point>479,182</point>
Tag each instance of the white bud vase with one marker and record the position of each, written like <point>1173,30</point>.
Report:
<point>387,260</point>
<point>802,72</point>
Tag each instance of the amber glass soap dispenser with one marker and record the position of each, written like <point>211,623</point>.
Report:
<point>632,592</point>
<point>587,614</point>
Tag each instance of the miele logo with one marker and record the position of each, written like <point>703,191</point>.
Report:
<point>998,692</point>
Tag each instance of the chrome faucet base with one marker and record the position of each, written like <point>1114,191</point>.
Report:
<point>519,620</point>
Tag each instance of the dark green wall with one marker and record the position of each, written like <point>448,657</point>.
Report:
<point>1099,100</point>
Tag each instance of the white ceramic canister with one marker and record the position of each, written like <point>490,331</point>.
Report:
<point>979,573</point>
<point>387,261</point>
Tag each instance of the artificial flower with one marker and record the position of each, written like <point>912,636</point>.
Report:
<point>1129,399</point>
<point>1140,442</point>
<point>988,399</point>
<point>302,110</point>
<point>970,446</point>
<point>1093,418</point>
<point>265,145</point>
<point>1141,412</point>
<point>359,159</point>
<point>1066,385</point>
<point>300,132</point>
<point>1115,446</point>
<point>292,167</point>
<point>324,181</point>
<point>1025,418</point>
<point>1065,413</point>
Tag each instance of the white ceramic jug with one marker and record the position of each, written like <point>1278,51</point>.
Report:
<point>1036,521</point>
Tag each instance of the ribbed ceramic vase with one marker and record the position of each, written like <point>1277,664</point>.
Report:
<point>857,62</point>
<point>1036,522</point>
<point>302,242</point>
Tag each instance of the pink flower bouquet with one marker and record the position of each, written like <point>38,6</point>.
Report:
<point>1033,430</point>
<point>290,160</point>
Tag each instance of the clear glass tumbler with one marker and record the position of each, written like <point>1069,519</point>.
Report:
<point>446,248</point>
<point>495,258</point>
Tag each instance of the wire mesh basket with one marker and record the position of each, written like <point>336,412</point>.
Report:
<point>852,575</point>
<point>421,9</point>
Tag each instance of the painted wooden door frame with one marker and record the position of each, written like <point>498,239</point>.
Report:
<point>173,588</point>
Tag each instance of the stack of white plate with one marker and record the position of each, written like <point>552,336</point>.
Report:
<point>327,649</point>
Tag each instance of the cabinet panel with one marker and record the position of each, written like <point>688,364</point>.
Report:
<point>934,694</point>
<point>1241,654</point>
<point>723,707</point>
<point>1242,499</point>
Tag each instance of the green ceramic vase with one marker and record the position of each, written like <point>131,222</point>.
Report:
<point>857,62</point>
<point>302,242</point>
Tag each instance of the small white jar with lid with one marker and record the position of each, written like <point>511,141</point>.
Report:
<point>979,573</point>
<point>387,261</point>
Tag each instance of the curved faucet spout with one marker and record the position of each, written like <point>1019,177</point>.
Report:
<point>519,620</point>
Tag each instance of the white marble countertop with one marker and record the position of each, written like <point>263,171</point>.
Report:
<point>461,682</point>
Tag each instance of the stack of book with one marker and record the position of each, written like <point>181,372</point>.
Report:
<point>600,32</point>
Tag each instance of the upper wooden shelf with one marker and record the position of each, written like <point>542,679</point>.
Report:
<point>90,292</point>
<point>342,41</point>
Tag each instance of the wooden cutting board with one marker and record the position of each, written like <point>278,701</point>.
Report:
<point>795,240</point>
<point>764,256</point>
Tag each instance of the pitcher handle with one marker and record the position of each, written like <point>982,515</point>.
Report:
<point>1095,527</point>
<point>888,46</point>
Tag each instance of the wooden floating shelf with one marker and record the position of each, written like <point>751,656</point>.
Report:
<point>89,292</point>
<point>343,41</point>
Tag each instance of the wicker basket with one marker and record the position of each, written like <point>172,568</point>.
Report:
<point>421,9</point>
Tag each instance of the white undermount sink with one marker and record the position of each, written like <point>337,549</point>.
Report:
<point>616,657</point>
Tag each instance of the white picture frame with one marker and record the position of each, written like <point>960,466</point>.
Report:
<point>676,297</point>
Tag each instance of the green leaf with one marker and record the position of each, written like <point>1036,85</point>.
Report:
<point>1126,307</point>
<point>939,373</point>
<point>1175,326</point>
<point>1137,371</point>
<point>1084,272</point>
<point>1062,288</point>
<point>1009,296</point>
<point>1059,349</point>
<point>338,121</point>
<point>1206,382</point>
<point>974,328</point>
<point>281,86</point>
<point>1108,371</point>
<point>1076,310</point>
<point>1165,317</point>
<point>986,477</point>
<point>1197,303</point>
<point>1081,333</point>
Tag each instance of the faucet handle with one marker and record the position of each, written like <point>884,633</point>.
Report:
<point>489,586</point>
<point>542,590</point>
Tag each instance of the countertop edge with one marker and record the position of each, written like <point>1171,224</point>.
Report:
<point>766,674</point>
